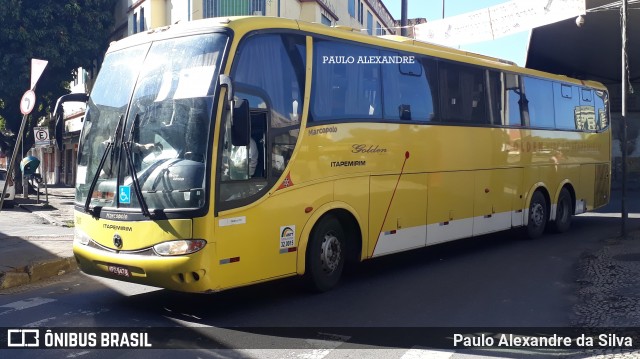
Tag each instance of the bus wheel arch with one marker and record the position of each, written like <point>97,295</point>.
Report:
<point>324,218</point>
<point>564,209</point>
<point>538,211</point>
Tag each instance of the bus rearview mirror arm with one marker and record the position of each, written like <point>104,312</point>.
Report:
<point>225,81</point>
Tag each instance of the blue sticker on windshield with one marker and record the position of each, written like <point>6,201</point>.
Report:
<point>124,194</point>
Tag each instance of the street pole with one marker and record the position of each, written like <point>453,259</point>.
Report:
<point>443,9</point>
<point>625,213</point>
<point>25,185</point>
<point>403,18</point>
<point>13,158</point>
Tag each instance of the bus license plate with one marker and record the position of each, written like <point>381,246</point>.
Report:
<point>120,271</point>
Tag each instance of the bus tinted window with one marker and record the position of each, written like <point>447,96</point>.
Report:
<point>515,100</point>
<point>566,103</point>
<point>407,92</point>
<point>540,102</point>
<point>494,99</point>
<point>345,85</point>
<point>602,113</point>
<point>462,94</point>
<point>586,116</point>
<point>274,64</point>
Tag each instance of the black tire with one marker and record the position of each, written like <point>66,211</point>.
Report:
<point>564,212</point>
<point>8,204</point>
<point>326,254</point>
<point>538,215</point>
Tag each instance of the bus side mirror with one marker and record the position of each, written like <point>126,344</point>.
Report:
<point>58,113</point>
<point>241,128</point>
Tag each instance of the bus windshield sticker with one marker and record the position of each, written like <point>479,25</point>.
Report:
<point>232,221</point>
<point>287,236</point>
<point>125,194</point>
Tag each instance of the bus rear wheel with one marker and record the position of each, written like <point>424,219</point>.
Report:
<point>325,254</point>
<point>538,215</point>
<point>564,212</point>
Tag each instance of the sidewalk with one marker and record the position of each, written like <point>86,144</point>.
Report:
<point>36,237</point>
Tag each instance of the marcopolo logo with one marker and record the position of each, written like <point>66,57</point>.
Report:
<point>21,338</point>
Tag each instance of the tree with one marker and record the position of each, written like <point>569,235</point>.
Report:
<point>67,33</point>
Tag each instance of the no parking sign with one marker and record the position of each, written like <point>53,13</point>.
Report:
<point>41,135</point>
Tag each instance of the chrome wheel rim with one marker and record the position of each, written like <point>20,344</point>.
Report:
<point>537,214</point>
<point>330,253</point>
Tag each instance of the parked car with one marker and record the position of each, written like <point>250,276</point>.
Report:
<point>11,190</point>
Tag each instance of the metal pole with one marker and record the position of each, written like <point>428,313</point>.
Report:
<point>625,213</point>
<point>25,185</point>
<point>443,9</point>
<point>13,158</point>
<point>403,19</point>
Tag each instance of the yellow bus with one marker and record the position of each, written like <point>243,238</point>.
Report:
<point>225,152</point>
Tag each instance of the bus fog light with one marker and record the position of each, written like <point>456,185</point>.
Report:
<point>81,237</point>
<point>176,248</point>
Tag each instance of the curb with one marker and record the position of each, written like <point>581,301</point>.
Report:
<point>37,271</point>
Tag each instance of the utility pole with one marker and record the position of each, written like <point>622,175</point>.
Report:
<point>403,19</point>
<point>625,213</point>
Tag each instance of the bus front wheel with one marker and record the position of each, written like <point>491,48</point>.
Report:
<point>538,215</point>
<point>325,254</point>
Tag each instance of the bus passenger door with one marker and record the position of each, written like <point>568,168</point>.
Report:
<point>450,209</point>
<point>397,220</point>
<point>496,197</point>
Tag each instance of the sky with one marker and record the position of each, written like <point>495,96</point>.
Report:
<point>513,48</point>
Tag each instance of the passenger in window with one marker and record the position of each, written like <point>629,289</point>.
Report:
<point>239,158</point>
<point>253,157</point>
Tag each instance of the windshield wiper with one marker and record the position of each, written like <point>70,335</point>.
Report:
<point>95,212</point>
<point>134,177</point>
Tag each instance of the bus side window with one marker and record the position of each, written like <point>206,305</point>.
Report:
<point>567,106</point>
<point>343,87</point>
<point>539,93</point>
<point>407,92</point>
<point>602,112</point>
<point>494,99</point>
<point>269,72</point>
<point>462,93</point>
<point>515,108</point>
<point>587,111</point>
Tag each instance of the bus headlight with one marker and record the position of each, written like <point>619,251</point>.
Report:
<point>81,237</point>
<point>180,247</point>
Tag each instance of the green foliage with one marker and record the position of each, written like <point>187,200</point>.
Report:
<point>67,33</point>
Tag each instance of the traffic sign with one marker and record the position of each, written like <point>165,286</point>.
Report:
<point>41,135</point>
<point>28,102</point>
<point>37,68</point>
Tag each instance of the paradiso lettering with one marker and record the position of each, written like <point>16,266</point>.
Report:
<point>368,60</point>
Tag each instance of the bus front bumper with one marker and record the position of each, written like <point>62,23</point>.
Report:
<point>185,273</point>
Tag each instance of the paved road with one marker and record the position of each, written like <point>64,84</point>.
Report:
<point>492,281</point>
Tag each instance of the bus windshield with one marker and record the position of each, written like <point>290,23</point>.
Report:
<point>146,130</point>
